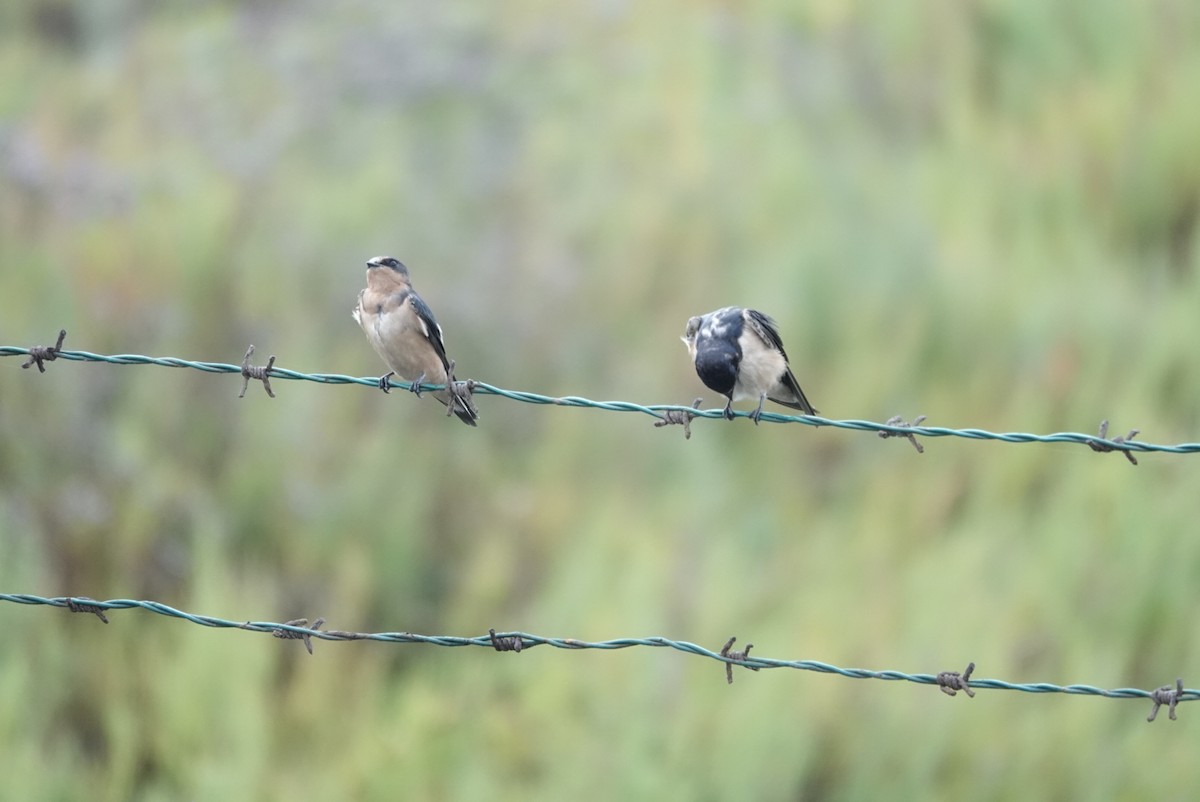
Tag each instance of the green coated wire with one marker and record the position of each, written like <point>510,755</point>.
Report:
<point>663,412</point>
<point>516,641</point>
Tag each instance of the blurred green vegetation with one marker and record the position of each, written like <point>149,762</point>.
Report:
<point>985,212</point>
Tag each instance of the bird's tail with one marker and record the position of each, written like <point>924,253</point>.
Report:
<point>460,405</point>
<point>464,408</point>
<point>797,399</point>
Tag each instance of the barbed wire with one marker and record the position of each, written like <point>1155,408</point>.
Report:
<point>950,682</point>
<point>664,413</point>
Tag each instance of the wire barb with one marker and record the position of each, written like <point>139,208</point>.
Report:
<point>460,391</point>
<point>1096,445</point>
<point>740,657</point>
<point>256,372</point>
<point>951,682</point>
<point>289,634</point>
<point>506,643</point>
<point>40,354</point>
<point>655,411</point>
<point>82,604</point>
<point>1166,695</point>
<point>897,420</point>
<point>683,417</point>
<point>509,640</point>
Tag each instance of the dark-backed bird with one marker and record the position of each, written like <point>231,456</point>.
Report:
<point>738,353</point>
<point>402,329</point>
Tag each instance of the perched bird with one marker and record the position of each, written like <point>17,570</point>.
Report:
<point>402,329</point>
<point>737,352</point>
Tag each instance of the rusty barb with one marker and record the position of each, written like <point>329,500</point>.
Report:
<point>258,373</point>
<point>951,682</point>
<point>462,391</point>
<point>1166,695</point>
<point>80,604</point>
<point>40,354</point>
<point>683,417</point>
<point>506,643</point>
<point>1096,445</point>
<point>741,657</point>
<point>288,634</point>
<point>896,420</point>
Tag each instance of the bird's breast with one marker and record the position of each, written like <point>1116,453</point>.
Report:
<point>401,340</point>
<point>759,371</point>
<point>717,367</point>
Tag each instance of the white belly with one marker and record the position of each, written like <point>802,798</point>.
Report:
<point>758,373</point>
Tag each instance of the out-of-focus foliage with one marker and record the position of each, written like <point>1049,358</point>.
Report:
<point>985,212</point>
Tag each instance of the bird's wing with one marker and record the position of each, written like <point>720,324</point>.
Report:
<point>433,332</point>
<point>765,328</point>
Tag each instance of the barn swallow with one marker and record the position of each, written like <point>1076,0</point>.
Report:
<point>403,331</point>
<point>737,353</point>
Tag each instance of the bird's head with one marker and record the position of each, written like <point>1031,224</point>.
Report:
<point>387,263</point>
<point>386,272</point>
<point>689,334</point>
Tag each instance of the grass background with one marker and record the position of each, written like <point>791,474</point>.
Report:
<point>985,212</point>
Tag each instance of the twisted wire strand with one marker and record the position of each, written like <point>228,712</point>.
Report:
<point>654,410</point>
<point>529,640</point>
<point>516,640</point>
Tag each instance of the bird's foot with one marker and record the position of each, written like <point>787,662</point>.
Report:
<point>757,413</point>
<point>383,381</point>
<point>729,410</point>
<point>415,386</point>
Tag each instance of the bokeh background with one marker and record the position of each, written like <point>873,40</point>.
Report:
<point>985,212</point>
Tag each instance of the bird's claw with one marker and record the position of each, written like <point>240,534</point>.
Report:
<point>415,386</point>
<point>383,381</point>
<point>756,415</point>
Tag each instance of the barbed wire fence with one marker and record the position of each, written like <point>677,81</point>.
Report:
<point>949,682</point>
<point>665,414</point>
